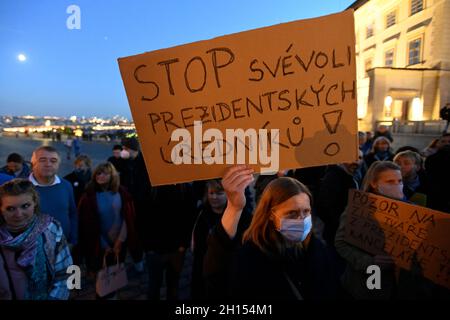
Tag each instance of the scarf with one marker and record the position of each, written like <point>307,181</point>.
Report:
<point>382,156</point>
<point>30,246</point>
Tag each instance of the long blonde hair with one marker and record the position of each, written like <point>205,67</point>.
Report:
<point>114,183</point>
<point>262,230</point>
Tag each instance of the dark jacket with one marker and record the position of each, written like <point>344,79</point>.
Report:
<point>219,257</point>
<point>134,178</point>
<point>89,228</point>
<point>118,164</point>
<point>310,177</point>
<point>232,270</point>
<point>204,225</point>
<point>24,174</point>
<point>261,277</point>
<point>418,194</point>
<point>167,223</point>
<point>371,157</point>
<point>165,215</point>
<point>332,199</point>
<point>437,167</point>
<point>78,182</point>
<point>444,113</point>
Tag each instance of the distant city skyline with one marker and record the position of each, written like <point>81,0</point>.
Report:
<point>78,117</point>
<point>49,69</point>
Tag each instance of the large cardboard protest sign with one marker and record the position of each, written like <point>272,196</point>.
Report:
<point>416,237</point>
<point>298,78</point>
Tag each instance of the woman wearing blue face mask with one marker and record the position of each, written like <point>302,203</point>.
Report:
<point>280,258</point>
<point>383,178</point>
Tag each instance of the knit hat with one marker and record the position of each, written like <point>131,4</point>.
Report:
<point>131,143</point>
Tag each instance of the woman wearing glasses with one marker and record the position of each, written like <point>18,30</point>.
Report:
<point>280,258</point>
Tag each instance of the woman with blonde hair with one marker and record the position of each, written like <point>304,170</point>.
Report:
<point>381,151</point>
<point>280,258</point>
<point>383,178</point>
<point>106,215</point>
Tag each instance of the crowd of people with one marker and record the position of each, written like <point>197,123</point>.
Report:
<point>280,236</point>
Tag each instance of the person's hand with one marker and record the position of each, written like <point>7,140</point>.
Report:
<point>234,182</point>
<point>181,249</point>
<point>383,261</point>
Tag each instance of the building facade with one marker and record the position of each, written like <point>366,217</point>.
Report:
<point>403,61</point>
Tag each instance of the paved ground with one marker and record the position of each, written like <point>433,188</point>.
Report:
<point>137,285</point>
<point>98,151</point>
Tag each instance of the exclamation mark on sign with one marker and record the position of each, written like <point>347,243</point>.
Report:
<point>332,120</point>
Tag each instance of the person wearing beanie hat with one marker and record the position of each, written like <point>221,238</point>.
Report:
<point>130,143</point>
<point>134,177</point>
<point>163,241</point>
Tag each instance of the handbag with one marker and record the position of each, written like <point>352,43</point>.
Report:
<point>111,278</point>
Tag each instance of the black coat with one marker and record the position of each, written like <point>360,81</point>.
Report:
<point>437,167</point>
<point>166,224</point>
<point>165,215</point>
<point>78,182</point>
<point>372,157</point>
<point>332,199</point>
<point>258,276</point>
<point>118,164</point>
<point>246,272</point>
<point>219,257</point>
<point>206,221</point>
<point>421,188</point>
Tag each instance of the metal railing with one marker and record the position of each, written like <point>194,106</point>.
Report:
<point>414,127</point>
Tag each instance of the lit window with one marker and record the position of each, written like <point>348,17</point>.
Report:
<point>369,31</point>
<point>414,51</point>
<point>390,19</point>
<point>416,6</point>
<point>389,58</point>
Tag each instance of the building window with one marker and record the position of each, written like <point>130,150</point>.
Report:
<point>368,65</point>
<point>416,6</point>
<point>414,51</point>
<point>389,58</point>
<point>369,31</point>
<point>390,19</point>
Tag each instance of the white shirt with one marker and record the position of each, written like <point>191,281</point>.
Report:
<point>36,183</point>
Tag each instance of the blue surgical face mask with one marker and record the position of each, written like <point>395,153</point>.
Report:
<point>295,229</point>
